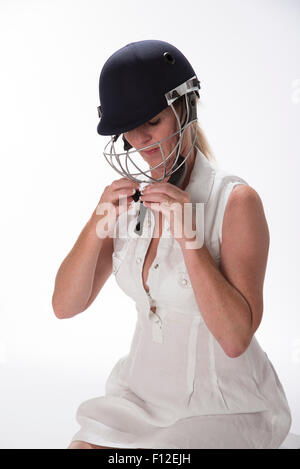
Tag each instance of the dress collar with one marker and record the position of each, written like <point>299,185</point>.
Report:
<point>201,179</point>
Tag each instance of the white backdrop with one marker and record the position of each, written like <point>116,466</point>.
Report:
<point>246,55</point>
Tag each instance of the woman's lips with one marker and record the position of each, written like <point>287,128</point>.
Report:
<point>149,152</point>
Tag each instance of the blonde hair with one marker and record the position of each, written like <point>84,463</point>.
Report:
<point>201,140</point>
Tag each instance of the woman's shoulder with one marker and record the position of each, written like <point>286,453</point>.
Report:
<point>245,200</point>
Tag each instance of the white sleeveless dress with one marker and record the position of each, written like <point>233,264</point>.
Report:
<point>176,387</point>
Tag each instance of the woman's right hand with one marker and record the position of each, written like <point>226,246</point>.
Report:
<point>115,199</point>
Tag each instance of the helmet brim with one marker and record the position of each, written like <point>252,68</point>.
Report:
<point>105,127</point>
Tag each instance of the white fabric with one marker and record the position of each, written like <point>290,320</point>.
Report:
<point>176,388</point>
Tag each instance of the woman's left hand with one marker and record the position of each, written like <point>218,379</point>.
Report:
<point>169,199</point>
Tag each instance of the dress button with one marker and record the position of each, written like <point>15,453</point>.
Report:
<point>183,280</point>
<point>138,259</point>
<point>156,265</point>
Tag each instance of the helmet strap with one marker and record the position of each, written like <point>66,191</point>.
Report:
<point>127,145</point>
<point>177,177</point>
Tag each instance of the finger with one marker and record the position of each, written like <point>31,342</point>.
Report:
<point>158,197</point>
<point>122,193</point>
<point>123,183</point>
<point>125,190</point>
<point>165,187</point>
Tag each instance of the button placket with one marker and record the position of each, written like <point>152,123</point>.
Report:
<point>183,279</point>
<point>157,331</point>
<point>153,282</point>
<point>166,228</point>
<point>140,254</point>
<point>162,249</point>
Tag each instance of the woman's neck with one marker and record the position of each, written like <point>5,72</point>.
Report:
<point>190,164</point>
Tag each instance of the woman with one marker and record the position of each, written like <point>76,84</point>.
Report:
<point>195,375</point>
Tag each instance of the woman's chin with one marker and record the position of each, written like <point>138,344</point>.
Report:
<point>159,176</point>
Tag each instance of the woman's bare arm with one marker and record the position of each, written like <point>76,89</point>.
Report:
<point>75,278</point>
<point>88,265</point>
<point>231,298</point>
<point>103,269</point>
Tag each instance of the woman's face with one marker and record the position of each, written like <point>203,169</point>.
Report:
<point>158,128</point>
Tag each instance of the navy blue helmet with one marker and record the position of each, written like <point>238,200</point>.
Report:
<point>136,83</point>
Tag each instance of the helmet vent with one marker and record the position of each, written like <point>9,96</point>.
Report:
<point>169,58</point>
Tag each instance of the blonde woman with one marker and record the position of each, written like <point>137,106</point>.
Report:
<point>193,259</point>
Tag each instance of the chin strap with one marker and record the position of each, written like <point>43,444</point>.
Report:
<point>176,179</point>
<point>127,145</point>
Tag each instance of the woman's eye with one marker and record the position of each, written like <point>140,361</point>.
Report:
<point>154,123</point>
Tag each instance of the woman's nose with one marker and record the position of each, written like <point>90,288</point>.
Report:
<point>141,136</point>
